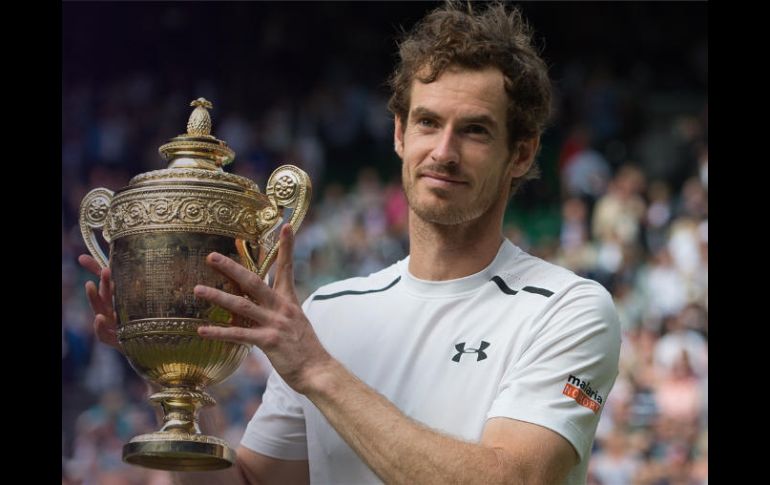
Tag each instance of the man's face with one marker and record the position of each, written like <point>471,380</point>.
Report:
<point>457,165</point>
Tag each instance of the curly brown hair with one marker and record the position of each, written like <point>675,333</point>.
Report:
<point>455,35</point>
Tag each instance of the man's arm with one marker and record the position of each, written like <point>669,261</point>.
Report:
<point>256,468</point>
<point>400,450</point>
<point>250,467</point>
<point>395,447</point>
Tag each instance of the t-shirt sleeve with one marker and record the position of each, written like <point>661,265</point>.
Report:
<point>277,429</point>
<point>563,376</point>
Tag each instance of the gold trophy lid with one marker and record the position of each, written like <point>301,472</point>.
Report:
<point>198,148</point>
<point>196,157</point>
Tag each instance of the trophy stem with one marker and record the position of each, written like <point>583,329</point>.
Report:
<point>180,408</point>
<point>180,445</point>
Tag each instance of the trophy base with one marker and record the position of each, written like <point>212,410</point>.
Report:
<point>178,452</point>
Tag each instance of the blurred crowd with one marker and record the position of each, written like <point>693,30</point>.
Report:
<point>625,178</point>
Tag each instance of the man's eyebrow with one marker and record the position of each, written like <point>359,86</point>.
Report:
<point>423,111</point>
<point>481,119</point>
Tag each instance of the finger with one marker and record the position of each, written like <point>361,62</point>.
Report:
<point>106,332</point>
<point>284,271</point>
<point>248,281</point>
<point>105,290</point>
<point>89,263</point>
<point>94,300</point>
<point>235,304</point>
<point>239,335</point>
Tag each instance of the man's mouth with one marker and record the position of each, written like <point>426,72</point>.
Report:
<point>441,178</point>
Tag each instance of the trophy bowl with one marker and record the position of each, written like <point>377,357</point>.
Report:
<point>160,228</point>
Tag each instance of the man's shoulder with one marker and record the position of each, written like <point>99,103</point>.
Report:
<point>377,282</point>
<point>535,274</point>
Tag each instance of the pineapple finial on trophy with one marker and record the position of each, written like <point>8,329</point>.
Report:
<point>199,123</point>
<point>197,148</point>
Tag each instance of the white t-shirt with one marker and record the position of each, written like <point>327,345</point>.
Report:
<point>523,339</point>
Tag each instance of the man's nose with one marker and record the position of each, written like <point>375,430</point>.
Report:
<point>446,149</point>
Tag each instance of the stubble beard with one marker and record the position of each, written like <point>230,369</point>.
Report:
<point>448,212</point>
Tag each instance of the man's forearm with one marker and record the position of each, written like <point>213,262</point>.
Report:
<point>397,448</point>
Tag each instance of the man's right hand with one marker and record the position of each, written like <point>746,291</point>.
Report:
<point>100,299</point>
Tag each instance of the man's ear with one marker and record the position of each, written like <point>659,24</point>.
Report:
<point>398,137</point>
<point>523,156</point>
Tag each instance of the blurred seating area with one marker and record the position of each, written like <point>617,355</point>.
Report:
<point>623,197</point>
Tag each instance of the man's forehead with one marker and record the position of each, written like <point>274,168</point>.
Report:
<point>490,79</point>
<point>481,92</point>
<point>424,71</point>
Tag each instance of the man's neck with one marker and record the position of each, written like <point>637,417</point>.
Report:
<point>440,252</point>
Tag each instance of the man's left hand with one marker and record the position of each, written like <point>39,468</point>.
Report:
<point>279,326</point>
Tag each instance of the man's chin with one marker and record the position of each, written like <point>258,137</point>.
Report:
<point>439,207</point>
<point>446,215</point>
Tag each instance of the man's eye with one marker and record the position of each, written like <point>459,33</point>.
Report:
<point>426,122</point>
<point>476,130</point>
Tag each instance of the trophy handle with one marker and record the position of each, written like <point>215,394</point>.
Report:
<point>287,187</point>
<point>93,215</point>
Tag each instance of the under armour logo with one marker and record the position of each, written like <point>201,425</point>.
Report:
<point>480,351</point>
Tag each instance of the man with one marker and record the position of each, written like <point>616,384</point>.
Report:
<point>469,361</point>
